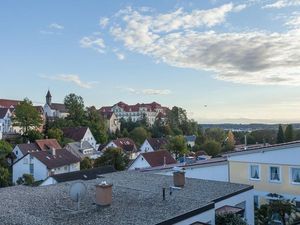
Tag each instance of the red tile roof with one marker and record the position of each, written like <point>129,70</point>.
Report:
<point>159,158</point>
<point>126,144</point>
<point>46,144</point>
<point>157,143</point>
<point>25,148</point>
<point>75,133</point>
<point>7,103</point>
<point>134,108</point>
<point>61,158</point>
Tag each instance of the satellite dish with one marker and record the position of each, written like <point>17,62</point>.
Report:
<point>77,192</point>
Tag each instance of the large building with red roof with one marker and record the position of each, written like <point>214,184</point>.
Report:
<point>137,112</point>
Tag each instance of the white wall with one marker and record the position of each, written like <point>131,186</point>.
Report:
<point>20,168</point>
<point>248,197</point>
<point>89,138</point>
<point>17,150</point>
<point>146,147</point>
<point>285,156</point>
<point>208,172</point>
<point>139,163</point>
<point>48,181</point>
<point>205,217</point>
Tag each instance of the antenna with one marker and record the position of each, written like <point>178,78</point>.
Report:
<point>77,192</point>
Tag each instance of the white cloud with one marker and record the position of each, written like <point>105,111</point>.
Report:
<point>120,56</point>
<point>248,57</point>
<point>239,8</point>
<point>294,21</point>
<point>282,3</point>
<point>94,42</point>
<point>56,26</point>
<point>103,22</point>
<point>72,78</point>
<point>146,91</point>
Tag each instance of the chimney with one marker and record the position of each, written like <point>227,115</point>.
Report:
<point>179,178</point>
<point>165,161</point>
<point>104,194</point>
<point>53,151</point>
<point>81,143</point>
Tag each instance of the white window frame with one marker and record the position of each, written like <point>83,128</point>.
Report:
<point>280,176</point>
<point>259,172</point>
<point>291,175</point>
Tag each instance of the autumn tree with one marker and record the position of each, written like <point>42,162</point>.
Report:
<point>229,142</point>
<point>27,117</point>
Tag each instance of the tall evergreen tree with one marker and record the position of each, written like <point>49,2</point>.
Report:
<point>289,133</point>
<point>280,135</point>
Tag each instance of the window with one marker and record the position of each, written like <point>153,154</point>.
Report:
<point>16,152</point>
<point>295,175</point>
<point>25,161</point>
<point>254,172</point>
<point>274,174</point>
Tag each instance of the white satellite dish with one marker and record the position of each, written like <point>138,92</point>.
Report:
<point>77,192</point>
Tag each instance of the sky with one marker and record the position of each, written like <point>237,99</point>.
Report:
<point>222,61</point>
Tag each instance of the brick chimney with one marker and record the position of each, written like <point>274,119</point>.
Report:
<point>104,194</point>
<point>179,178</point>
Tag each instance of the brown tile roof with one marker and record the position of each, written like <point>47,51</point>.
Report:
<point>46,144</point>
<point>158,143</point>
<point>61,158</point>
<point>134,108</point>
<point>75,133</point>
<point>126,144</point>
<point>59,107</point>
<point>3,112</point>
<point>7,103</point>
<point>106,114</point>
<point>158,158</point>
<point>25,148</point>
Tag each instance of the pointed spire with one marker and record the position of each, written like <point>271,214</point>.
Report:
<point>48,94</point>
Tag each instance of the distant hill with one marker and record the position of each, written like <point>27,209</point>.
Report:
<point>246,127</point>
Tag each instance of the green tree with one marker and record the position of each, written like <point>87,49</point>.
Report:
<point>289,133</point>
<point>216,134</point>
<point>229,219</point>
<point>286,210</point>
<point>56,133</point>
<point>177,146</point>
<point>280,135</point>
<point>75,107</point>
<point>212,148</point>
<point>26,179</point>
<point>27,117</point>
<point>5,148</point>
<point>4,177</point>
<point>33,135</point>
<point>86,163</point>
<point>138,135</point>
<point>113,156</point>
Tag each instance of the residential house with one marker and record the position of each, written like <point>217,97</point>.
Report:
<point>274,171</point>
<point>5,121</point>
<point>80,134</point>
<point>88,174</point>
<point>154,144</point>
<point>52,110</point>
<point>112,122</point>
<point>137,112</point>
<point>39,145</point>
<point>190,140</point>
<point>43,163</point>
<point>137,198</point>
<point>83,150</point>
<point>126,144</point>
<point>152,159</point>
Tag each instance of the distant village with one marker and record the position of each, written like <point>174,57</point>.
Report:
<point>141,164</point>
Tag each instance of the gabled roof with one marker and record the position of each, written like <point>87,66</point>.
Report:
<point>106,114</point>
<point>157,143</point>
<point>61,158</point>
<point>59,107</point>
<point>77,149</point>
<point>126,144</point>
<point>134,108</point>
<point>75,133</point>
<point>46,144</point>
<point>25,148</point>
<point>3,112</point>
<point>89,174</point>
<point>7,103</point>
<point>158,158</point>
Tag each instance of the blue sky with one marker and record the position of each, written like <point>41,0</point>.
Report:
<point>241,59</point>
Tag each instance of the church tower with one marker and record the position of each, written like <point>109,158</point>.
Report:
<point>48,98</point>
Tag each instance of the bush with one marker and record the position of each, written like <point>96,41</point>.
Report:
<point>26,179</point>
<point>229,219</point>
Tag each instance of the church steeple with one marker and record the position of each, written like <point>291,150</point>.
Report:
<point>48,98</point>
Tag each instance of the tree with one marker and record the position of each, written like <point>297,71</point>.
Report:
<point>33,135</point>
<point>285,209</point>
<point>26,179</point>
<point>177,146</point>
<point>229,219</point>
<point>56,133</point>
<point>138,135</point>
<point>5,148</point>
<point>216,134</point>
<point>289,133</point>
<point>86,163</point>
<point>27,117</point>
<point>4,177</point>
<point>113,156</point>
<point>212,148</point>
<point>230,142</point>
<point>75,106</point>
<point>280,135</point>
